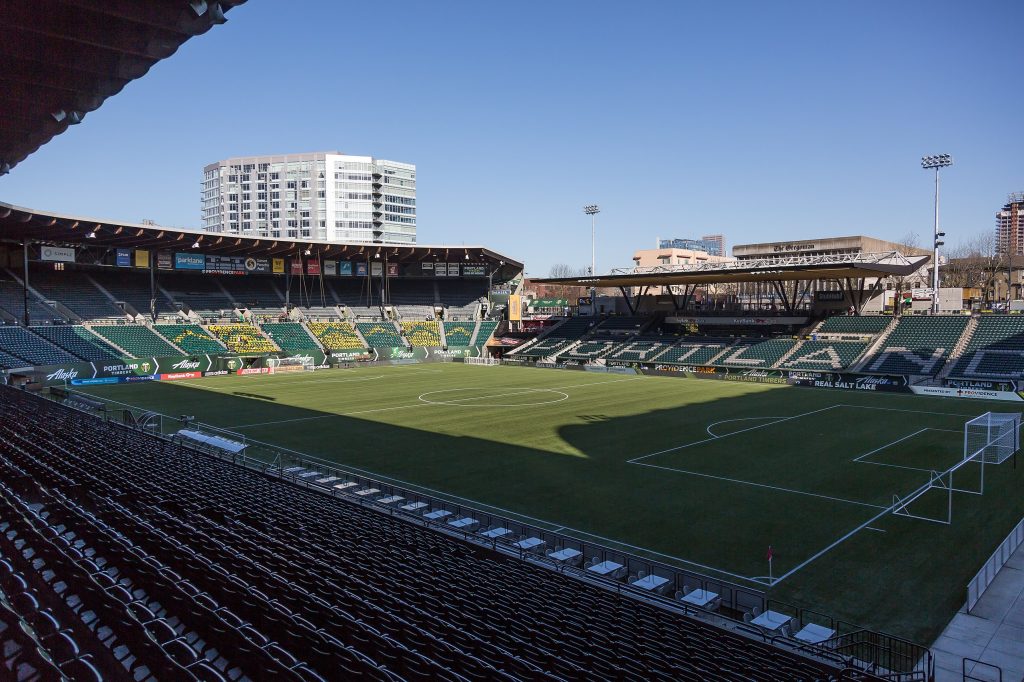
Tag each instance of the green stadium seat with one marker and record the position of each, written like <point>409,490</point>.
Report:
<point>995,351</point>
<point>918,345</point>
<point>855,324</point>
<point>380,334</point>
<point>424,334</point>
<point>825,356</point>
<point>242,338</point>
<point>458,333</point>
<point>21,343</point>
<point>78,341</point>
<point>191,338</point>
<point>693,352</point>
<point>336,336</point>
<point>761,354</point>
<point>138,340</point>
<point>290,336</point>
<point>487,328</point>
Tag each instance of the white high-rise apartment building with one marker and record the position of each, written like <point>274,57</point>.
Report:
<point>322,195</point>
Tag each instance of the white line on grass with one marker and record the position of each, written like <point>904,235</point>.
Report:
<point>637,460</point>
<point>887,445</point>
<point>484,506</point>
<point>761,485</point>
<point>424,404</point>
<point>836,543</point>
<point>877,530</point>
<point>738,419</point>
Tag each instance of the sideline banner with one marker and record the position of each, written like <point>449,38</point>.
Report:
<point>852,382</point>
<point>975,393</point>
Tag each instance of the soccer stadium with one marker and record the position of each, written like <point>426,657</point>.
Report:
<point>233,457</point>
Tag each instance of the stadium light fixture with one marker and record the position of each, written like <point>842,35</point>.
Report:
<point>935,163</point>
<point>195,244</point>
<point>592,210</point>
<point>308,252</point>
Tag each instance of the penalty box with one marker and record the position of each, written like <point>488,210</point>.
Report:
<point>822,453</point>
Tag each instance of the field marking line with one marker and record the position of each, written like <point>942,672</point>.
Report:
<point>820,553</point>
<point>417,404</point>
<point>877,530</point>
<point>637,460</point>
<point>762,485</point>
<point>887,445</point>
<point>861,459</point>
<point>484,506</point>
<point>738,419</point>
<point>896,409</point>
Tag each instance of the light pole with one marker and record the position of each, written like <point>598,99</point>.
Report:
<point>928,163</point>
<point>592,210</point>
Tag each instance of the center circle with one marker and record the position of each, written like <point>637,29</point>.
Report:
<point>493,397</point>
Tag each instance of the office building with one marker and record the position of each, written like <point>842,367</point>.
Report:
<point>321,195</point>
<point>713,244</point>
<point>1010,225</point>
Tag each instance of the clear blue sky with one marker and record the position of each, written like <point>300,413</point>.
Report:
<point>763,121</point>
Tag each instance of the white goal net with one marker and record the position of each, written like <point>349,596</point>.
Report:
<point>992,438</point>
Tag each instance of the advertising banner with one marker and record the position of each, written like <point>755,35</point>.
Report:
<point>225,265</point>
<point>515,308</point>
<point>975,393</point>
<point>278,266</point>
<point>427,266</point>
<point>453,269</point>
<point>184,261</point>
<point>124,258</point>
<point>59,254</point>
<point>392,269</point>
<point>257,265</point>
<point>851,382</point>
<point>141,258</point>
<point>345,268</point>
<point>440,269</point>
<point>296,266</point>
<point>330,267</point>
<point>361,269</point>
<point>313,266</point>
<point>474,270</point>
<point>984,384</point>
<point>376,268</point>
<point>454,352</point>
<point>164,260</point>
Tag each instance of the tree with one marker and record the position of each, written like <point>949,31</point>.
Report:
<point>564,290</point>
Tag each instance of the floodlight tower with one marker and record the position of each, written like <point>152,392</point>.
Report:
<point>592,210</point>
<point>929,163</point>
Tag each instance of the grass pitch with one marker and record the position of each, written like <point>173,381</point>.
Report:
<point>704,474</point>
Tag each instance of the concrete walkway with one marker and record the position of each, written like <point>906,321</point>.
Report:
<point>993,632</point>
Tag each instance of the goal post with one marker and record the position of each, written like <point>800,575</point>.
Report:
<point>993,437</point>
<point>990,438</point>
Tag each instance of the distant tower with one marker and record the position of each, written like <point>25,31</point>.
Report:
<point>1010,225</point>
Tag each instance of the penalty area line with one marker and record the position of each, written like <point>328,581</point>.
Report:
<point>637,460</point>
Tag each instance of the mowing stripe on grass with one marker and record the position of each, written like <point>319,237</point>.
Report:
<point>637,460</point>
<point>425,404</point>
<point>759,485</point>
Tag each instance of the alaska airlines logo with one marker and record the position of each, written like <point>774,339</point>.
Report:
<point>186,364</point>
<point>62,375</point>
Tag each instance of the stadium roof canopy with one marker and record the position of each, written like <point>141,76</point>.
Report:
<point>773,269</point>
<point>19,224</point>
<point>862,274</point>
<point>60,59</point>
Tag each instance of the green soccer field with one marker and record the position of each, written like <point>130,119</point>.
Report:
<point>704,474</point>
